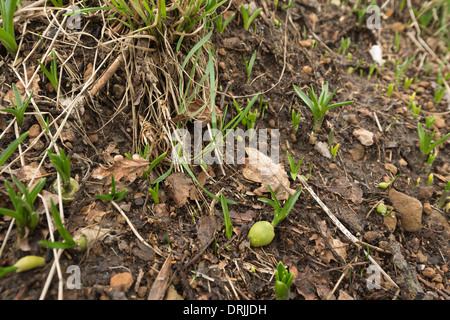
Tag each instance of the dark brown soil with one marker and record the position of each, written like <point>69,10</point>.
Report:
<point>205,264</point>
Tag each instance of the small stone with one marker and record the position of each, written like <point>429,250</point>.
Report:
<point>306,43</point>
<point>428,272</point>
<point>332,166</point>
<point>409,208</point>
<point>222,65</point>
<point>427,208</point>
<point>307,70</point>
<point>364,136</point>
<point>293,138</point>
<point>398,26</point>
<point>142,291</point>
<point>352,119</point>
<point>421,258</point>
<point>121,281</point>
<point>372,236</point>
<point>391,168</point>
<point>424,84</point>
<point>358,152</point>
<point>439,122</point>
<point>172,294</point>
<point>437,278</point>
<point>34,131</point>
<point>402,162</point>
<point>272,123</point>
<point>425,193</point>
<point>222,52</point>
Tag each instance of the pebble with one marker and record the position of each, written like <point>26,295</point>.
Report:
<point>306,43</point>
<point>142,291</point>
<point>439,122</point>
<point>121,281</point>
<point>402,162</point>
<point>428,272</point>
<point>427,208</point>
<point>307,70</point>
<point>398,26</point>
<point>358,152</point>
<point>293,138</point>
<point>425,193</point>
<point>332,166</point>
<point>391,168</point>
<point>437,278</point>
<point>34,131</point>
<point>421,258</point>
<point>364,136</point>
<point>371,236</point>
<point>272,123</point>
<point>409,208</point>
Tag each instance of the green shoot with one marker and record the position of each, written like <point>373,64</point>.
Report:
<point>248,119</point>
<point>415,110</point>
<point>57,3</point>
<point>385,185</point>
<point>113,196</point>
<point>407,82</point>
<point>401,70</point>
<point>51,75</point>
<point>19,108</point>
<point>226,215</point>
<point>11,148</point>
<point>425,140</point>
<point>417,183</point>
<point>444,195</point>
<point>62,166</point>
<point>333,150</point>
<point>247,18</point>
<point>293,166</point>
<point>397,41</point>
<point>390,89</point>
<point>287,6</point>
<point>345,45</point>
<point>295,121</point>
<point>280,213</point>
<point>429,121</point>
<point>430,179</point>
<point>249,65</point>
<point>319,106</point>
<point>439,94</point>
<point>24,214</point>
<point>69,242</point>
<point>220,24</point>
<point>263,106</point>
<point>283,281</point>
<point>7,34</point>
<point>154,192</point>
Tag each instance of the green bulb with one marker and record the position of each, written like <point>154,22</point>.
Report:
<point>261,234</point>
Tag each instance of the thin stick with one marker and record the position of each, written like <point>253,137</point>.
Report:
<point>343,229</point>
<point>136,233</point>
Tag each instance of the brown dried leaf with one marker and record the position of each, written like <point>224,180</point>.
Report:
<point>206,227</point>
<point>347,190</point>
<point>123,167</point>
<point>339,247</point>
<point>32,86</point>
<point>263,170</point>
<point>161,283</point>
<point>26,173</point>
<point>179,186</point>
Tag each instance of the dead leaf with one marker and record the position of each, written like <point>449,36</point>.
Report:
<point>304,284</point>
<point>248,215</point>
<point>93,214</point>
<point>179,186</point>
<point>34,85</point>
<point>261,168</point>
<point>339,247</point>
<point>123,167</point>
<point>344,295</point>
<point>347,190</point>
<point>161,282</point>
<point>206,227</point>
<point>26,173</point>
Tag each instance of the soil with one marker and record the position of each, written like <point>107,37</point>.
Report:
<point>186,229</point>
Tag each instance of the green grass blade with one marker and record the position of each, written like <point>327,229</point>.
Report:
<point>12,147</point>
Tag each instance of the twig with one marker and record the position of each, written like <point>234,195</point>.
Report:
<point>136,233</point>
<point>344,230</point>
